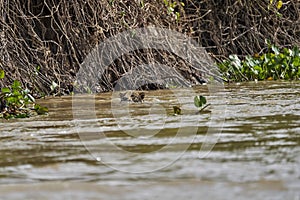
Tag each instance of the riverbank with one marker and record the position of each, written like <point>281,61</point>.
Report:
<point>43,44</point>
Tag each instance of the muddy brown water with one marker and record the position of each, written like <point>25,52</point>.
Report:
<point>246,147</point>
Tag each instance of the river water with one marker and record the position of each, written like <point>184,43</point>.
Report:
<point>245,146</point>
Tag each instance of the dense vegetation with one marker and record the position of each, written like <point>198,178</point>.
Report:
<point>16,102</point>
<point>43,42</point>
<point>276,64</point>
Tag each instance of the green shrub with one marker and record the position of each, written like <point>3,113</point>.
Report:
<point>16,102</point>
<point>275,64</point>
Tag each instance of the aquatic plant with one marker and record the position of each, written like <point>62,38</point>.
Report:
<point>16,102</point>
<point>200,102</point>
<point>275,64</point>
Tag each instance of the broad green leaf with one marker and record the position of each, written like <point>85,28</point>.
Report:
<point>251,62</point>
<point>202,100</point>
<point>16,93</point>
<point>166,2</point>
<point>40,109</point>
<point>173,5</point>
<point>11,100</point>
<point>296,52</point>
<point>5,90</point>
<point>296,63</point>
<point>16,85</point>
<point>235,61</point>
<point>2,74</point>
<point>21,115</point>
<point>275,49</point>
<point>199,101</point>
<point>177,16</point>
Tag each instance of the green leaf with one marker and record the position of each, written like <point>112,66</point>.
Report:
<point>166,2</point>
<point>11,100</point>
<point>16,93</point>
<point>235,61</point>
<point>177,16</point>
<point>251,61</point>
<point>295,52</point>
<point>199,101</point>
<point>203,99</point>
<point>21,115</point>
<point>2,74</point>
<point>5,90</point>
<point>40,109</point>
<point>275,49</point>
<point>16,85</point>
